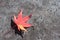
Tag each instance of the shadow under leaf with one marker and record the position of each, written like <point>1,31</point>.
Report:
<point>14,26</point>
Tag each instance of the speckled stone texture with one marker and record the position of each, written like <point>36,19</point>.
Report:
<point>45,19</point>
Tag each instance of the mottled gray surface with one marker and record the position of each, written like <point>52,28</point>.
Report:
<point>45,19</point>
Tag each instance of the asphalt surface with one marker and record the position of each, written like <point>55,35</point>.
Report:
<point>45,19</point>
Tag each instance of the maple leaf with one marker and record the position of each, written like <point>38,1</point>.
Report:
<point>21,22</point>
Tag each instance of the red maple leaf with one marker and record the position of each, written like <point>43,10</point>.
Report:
<point>21,22</point>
